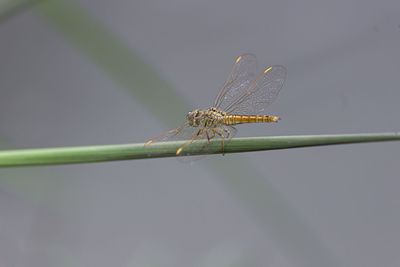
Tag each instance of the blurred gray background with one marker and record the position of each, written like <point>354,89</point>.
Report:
<point>61,84</point>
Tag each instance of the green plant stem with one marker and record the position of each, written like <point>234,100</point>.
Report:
<point>9,8</point>
<point>86,154</point>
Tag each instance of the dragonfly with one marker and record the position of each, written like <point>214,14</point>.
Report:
<point>242,99</point>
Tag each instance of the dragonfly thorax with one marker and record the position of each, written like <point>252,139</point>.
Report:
<point>211,117</point>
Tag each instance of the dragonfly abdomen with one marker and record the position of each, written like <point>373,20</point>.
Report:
<point>238,119</point>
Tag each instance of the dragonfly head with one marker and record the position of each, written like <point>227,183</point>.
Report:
<point>194,117</point>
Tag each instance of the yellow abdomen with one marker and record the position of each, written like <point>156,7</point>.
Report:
<point>238,119</point>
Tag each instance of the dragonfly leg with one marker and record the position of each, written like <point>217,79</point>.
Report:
<point>160,136</point>
<point>223,142</point>
<point>209,137</point>
<point>218,131</point>
<point>228,133</point>
<point>199,134</point>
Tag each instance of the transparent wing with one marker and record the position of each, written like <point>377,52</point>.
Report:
<point>197,134</point>
<point>243,72</point>
<point>260,93</point>
<point>183,132</point>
